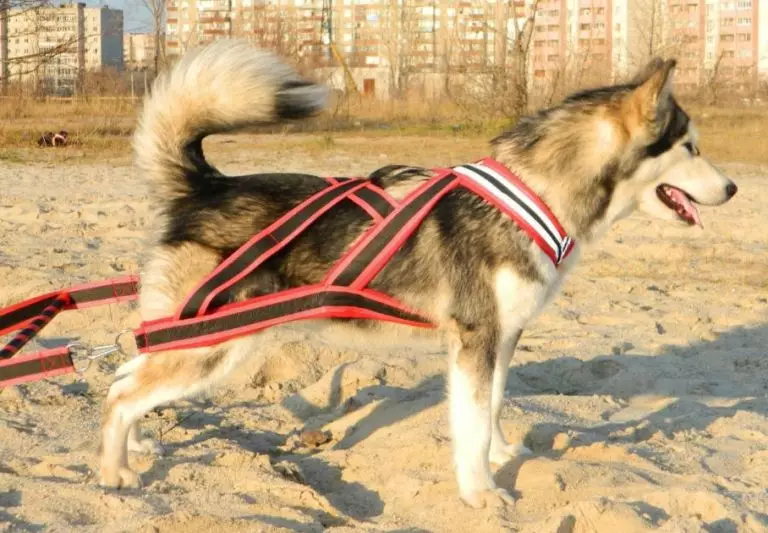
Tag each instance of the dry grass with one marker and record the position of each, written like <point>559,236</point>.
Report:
<point>101,128</point>
<point>97,126</point>
<point>733,134</point>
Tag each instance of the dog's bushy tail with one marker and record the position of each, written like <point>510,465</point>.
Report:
<point>223,87</point>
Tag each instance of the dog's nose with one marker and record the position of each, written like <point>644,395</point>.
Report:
<point>731,189</point>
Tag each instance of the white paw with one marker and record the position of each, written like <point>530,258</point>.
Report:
<point>122,477</point>
<point>491,497</point>
<point>501,455</point>
<point>146,446</point>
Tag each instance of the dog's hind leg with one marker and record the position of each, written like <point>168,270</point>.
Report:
<point>140,444</point>
<point>150,381</point>
<point>473,351</point>
<point>501,451</point>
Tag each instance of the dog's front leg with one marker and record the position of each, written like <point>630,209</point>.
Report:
<point>473,352</point>
<point>501,451</point>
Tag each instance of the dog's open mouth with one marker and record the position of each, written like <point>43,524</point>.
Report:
<point>680,202</point>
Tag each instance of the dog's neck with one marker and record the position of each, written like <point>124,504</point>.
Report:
<point>581,206</point>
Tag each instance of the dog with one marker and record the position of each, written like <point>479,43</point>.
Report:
<point>593,159</point>
<point>53,139</point>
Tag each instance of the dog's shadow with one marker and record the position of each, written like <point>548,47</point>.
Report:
<point>207,421</point>
<point>731,366</point>
<point>684,381</point>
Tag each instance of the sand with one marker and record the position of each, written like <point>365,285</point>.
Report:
<point>641,390</point>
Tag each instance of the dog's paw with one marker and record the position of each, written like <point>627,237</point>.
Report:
<point>501,455</point>
<point>122,478</point>
<point>493,497</point>
<point>146,446</point>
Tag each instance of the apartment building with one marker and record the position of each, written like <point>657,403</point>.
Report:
<point>103,33</point>
<point>367,32</point>
<point>54,46</point>
<point>730,34</point>
<point>138,50</point>
<point>394,37</point>
<point>590,40</point>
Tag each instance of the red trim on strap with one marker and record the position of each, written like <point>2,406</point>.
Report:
<point>73,304</point>
<point>367,207</point>
<point>374,267</point>
<point>30,331</point>
<point>384,194</point>
<point>47,370</point>
<point>532,196</point>
<point>498,204</point>
<point>328,311</point>
<point>272,251</point>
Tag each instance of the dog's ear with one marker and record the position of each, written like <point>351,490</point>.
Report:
<point>651,100</point>
<point>643,74</point>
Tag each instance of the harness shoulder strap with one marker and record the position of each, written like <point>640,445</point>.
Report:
<point>366,259</point>
<point>504,190</point>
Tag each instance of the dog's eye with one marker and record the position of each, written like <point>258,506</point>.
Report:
<point>691,148</point>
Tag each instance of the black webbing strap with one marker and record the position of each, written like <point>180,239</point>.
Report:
<point>253,253</point>
<point>373,196</point>
<point>35,367</point>
<point>361,257</point>
<point>312,302</point>
<point>29,332</point>
<point>16,316</point>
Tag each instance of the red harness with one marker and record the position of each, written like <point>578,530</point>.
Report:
<point>344,293</point>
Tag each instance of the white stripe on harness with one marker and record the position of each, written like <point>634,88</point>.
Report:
<point>519,203</point>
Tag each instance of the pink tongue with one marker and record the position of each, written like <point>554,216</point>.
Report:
<point>690,209</point>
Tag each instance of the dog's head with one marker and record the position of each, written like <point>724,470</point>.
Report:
<point>605,152</point>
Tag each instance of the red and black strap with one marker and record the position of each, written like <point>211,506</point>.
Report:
<point>374,200</point>
<point>44,318</point>
<point>264,245</point>
<point>197,324</point>
<point>279,234</point>
<point>36,366</point>
<point>32,315</point>
<point>234,320</point>
<point>366,259</point>
<point>82,296</point>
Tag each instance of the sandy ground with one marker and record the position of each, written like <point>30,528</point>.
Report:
<point>642,389</point>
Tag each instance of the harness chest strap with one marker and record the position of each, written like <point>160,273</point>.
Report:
<point>344,293</point>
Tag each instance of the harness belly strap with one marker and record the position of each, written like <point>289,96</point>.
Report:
<point>344,292</point>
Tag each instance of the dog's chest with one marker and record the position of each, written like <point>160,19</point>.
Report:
<point>520,300</point>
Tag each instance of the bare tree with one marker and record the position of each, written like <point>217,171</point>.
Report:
<point>5,8</point>
<point>503,89</point>
<point>713,81</point>
<point>157,9</point>
<point>401,44</point>
<point>29,27</point>
<point>649,33</point>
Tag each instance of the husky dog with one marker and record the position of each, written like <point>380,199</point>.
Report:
<point>471,270</point>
